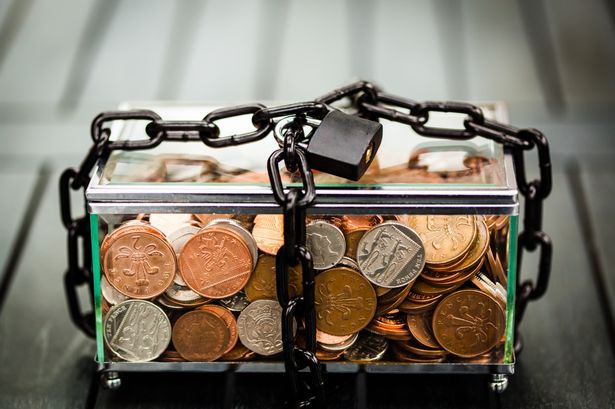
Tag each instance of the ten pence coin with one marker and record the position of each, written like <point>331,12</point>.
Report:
<point>345,301</point>
<point>468,323</point>
<point>137,330</point>
<point>137,263</point>
<point>200,336</point>
<point>215,263</point>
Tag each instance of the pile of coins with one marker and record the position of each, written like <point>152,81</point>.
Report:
<point>403,288</point>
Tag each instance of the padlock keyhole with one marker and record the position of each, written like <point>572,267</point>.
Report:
<point>369,152</point>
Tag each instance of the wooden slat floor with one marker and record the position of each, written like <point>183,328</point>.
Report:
<point>62,62</point>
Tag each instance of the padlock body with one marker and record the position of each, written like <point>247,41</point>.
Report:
<point>344,145</point>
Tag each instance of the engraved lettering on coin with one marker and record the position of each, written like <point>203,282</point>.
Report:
<point>137,330</point>
<point>260,327</point>
<point>369,347</point>
<point>200,336</point>
<point>215,263</point>
<point>468,323</point>
<point>345,301</point>
<point>447,238</point>
<point>391,255</point>
<point>326,243</point>
<point>139,264</point>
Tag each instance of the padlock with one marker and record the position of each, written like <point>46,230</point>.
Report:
<point>344,145</point>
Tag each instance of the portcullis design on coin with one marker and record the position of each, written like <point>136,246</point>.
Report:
<point>391,255</point>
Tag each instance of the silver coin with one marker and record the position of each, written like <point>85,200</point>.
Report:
<point>182,294</point>
<point>169,222</point>
<point>236,302</point>
<point>338,347</point>
<point>109,292</point>
<point>245,235</point>
<point>326,243</point>
<point>178,238</point>
<point>164,301</point>
<point>391,255</point>
<point>260,327</point>
<point>348,262</point>
<point>137,330</point>
<point>369,347</point>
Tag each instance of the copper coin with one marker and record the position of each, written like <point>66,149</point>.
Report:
<point>215,263</point>
<point>420,350</point>
<point>447,238</point>
<point>477,250</point>
<point>326,355</point>
<point>468,323</point>
<point>229,320</point>
<point>324,338</point>
<point>238,353</point>
<point>200,336</point>
<point>262,283</point>
<point>345,301</point>
<point>137,263</point>
<point>423,287</point>
<point>392,300</point>
<point>352,223</point>
<point>414,308</point>
<point>340,345</point>
<point>407,356</point>
<point>420,327</point>
<point>268,232</point>
<point>352,241</point>
<point>204,219</point>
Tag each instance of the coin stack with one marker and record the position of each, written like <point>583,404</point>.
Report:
<point>403,288</point>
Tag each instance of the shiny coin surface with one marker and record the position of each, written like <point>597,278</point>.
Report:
<point>215,263</point>
<point>345,301</point>
<point>369,347</point>
<point>348,262</point>
<point>247,237</point>
<point>262,283</point>
<point>137,330</point>
<point>477,250</point>
<point>268,232</point>
<point>109,293</point>
<point>391,255</point>
<point>447,238</point>
<point>229,320</point>
<point>420,328</point>
<point>182,295</point>
<point>236,302</point>
<point>178,238</point>
<point>138,263</point>
<point>468,323</point>
<point>326,243</point>
<point>200,336</point>
<point>169,222</point>
<point>260,327</point>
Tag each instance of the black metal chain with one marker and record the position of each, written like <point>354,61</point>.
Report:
<point>369,102</point>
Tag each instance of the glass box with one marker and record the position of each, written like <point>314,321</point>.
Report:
<point>415,262</point>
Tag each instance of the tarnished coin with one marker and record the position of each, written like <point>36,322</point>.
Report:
<point>326,243</point>
<point>369,347</point>
<point>420,328</point>
<point>391,255</point>
<point>215,263</point>
<point>247,237</point>
<point>109,293</point>
<point>260,327</point>
<point>262,283</point>
<point>268,232</point>
<point>468,323</point>
<point>229,320</point>
<point>138,263</point>
<point>200,336</point>
<point>137,330</point>
<point>345,301</point>
<point>447,238</point>
<point>236,302</point>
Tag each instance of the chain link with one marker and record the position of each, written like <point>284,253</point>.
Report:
<point>369,102</point>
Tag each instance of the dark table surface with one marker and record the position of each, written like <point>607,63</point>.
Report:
<point>62,62</point>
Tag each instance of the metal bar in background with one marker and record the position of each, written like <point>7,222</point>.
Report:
<point>16,14</point>
<point>98,21</point>
<point>451,31</point>
<point>273,17</point>
<point>536,23</point>
<point>181,41</point>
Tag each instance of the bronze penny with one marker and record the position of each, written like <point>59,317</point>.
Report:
<point>205,219</point>
<point>345,301</point>
<point>407,356</point>
<point>229,320</point>
<point>423,287</point>
<point>138,263</point>
<point>268,232</point>
<point>477,250</point>
<point>468,323</point>
<point>215,263</point>
<point>420,328</point>
<point>352,242</point>
<point>447,238</point>
<point>200,336</point>
<point>352,223</point>
<point>392,299</point>
<point>324,338</point>
<point>414,308</point>
<point>325,355</point>
<point>340,345</point>
<point>238,353</point>
<point>262,283</point>
<point>422,298</point>
<point>422,351</point>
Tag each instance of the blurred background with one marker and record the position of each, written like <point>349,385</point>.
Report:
<point>64,61</point>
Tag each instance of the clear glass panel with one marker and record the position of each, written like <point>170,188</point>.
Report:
<point>390,288</point>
